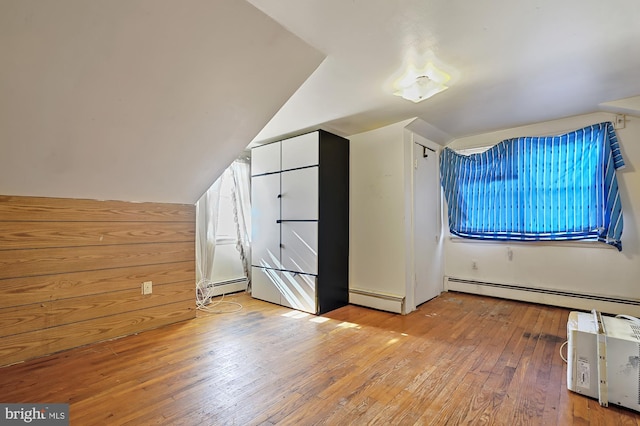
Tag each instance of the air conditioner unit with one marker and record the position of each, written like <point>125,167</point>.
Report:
<point>603,356</point>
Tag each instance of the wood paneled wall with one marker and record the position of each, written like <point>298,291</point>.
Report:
<point>71,271</point>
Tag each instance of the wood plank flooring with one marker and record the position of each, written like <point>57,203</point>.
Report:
<point>459,359</point>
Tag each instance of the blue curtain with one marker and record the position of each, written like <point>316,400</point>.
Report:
<point>537,188</point>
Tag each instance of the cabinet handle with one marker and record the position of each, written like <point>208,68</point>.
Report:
<point>279,196</point>
<point>278,221</point>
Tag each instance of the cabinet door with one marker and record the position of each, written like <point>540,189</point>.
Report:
<point>299,249</point>
<point>265,213</point>
<point>301,151</point>
<point>265,159</point>
<point>300,194</point>
<point>299,292</point>
<point>265,284</point>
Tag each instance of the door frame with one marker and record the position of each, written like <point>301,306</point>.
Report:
<point>410,139</point>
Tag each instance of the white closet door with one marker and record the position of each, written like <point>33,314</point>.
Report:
<point>299,292</point>
<point>266,284</point>
<point>299,249</point>
<point>265,159</point>
<point>427,246</point>
<point>300,194</point>
<point>265,213</point>
<point>301,151</point>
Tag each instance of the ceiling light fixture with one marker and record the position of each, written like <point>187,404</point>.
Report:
<point>416,85</point>
<point>422,88</point>
<point>419,78</point>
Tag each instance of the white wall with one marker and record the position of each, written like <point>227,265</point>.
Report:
<point>381,225</point>
<point>377,252</point>
<point>591,269</point>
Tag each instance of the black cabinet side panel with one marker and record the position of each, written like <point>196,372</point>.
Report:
<point>333,231</point>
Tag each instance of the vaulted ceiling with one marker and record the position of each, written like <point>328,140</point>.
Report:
<point>149,100</point>
<point>517,62</point>
<point>137,100</point>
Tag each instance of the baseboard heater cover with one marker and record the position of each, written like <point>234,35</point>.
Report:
<point>233,281</point>
<point>229,286</point>
<point>376,300</point>
<point>584,301</point>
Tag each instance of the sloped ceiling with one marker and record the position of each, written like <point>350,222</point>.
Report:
<point>517,62</point>
<point>149,100</point>
<point>137,100</point>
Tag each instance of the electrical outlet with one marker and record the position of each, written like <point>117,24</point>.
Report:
<point>619,122</point>
<point>474,265</point>
<point>147,287</point>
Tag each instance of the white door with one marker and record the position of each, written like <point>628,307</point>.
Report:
<point>299,248</point>
<point>426,214</point>
<point>265,214</point>
<point>300,194</point>
<point>300,151</point>
<point>265,159</point>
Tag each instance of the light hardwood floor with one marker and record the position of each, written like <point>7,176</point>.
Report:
<point>459,359</point>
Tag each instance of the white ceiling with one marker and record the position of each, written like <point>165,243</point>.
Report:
<point>137,100</point>
<point>150,100</point>
<point>518,62</point>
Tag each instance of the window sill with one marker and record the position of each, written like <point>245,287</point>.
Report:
<point>569,243</point>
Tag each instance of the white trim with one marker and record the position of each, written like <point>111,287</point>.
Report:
<point>545,296</point>
<point>383,301</point>
<point>229,287</point>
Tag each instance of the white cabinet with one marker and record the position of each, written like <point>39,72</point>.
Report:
<point>266,160</point>
<point>301,151</point>
<point>299,247</point>
<point>264,284</point>
<point>300,220</point>
<point>291,289</point>
<point>265,243</point>
<point>299,194</point>
<point>299,291</point>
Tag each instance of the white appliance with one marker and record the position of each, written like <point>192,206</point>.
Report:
<point>603,356</point>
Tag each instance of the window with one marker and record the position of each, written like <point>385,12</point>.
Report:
<point>537,188</point>
<point>226,227</point>
<point>223,226</point>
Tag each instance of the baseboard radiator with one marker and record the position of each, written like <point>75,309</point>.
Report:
<point>377,300</point>
<point>563,298</point>
<point>229,286</point>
